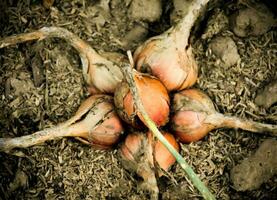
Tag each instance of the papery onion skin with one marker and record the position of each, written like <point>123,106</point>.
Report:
<point>101,70</point>
<point>102,131</point>
<point>108,133</point>
<point>137,156</point>
<point>194,116</point>
<point>169,56</point>
<point>163,157</point>
<point>138,152</point>
<point>135,145</point>
<point>189,126</point>
<point>95,123</point>
<point>103,74</point>
<point>191,107</point>
<point>170,62</point>
<point>154,98</point>
<point>131,145</point>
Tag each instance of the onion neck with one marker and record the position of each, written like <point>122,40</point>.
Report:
<point>80,45</point>
<point>7,144</point>
<point>220,121</point>
<point>86,52</point>
<point>181,31</point>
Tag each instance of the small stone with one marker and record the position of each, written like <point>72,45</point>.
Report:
<point>268,95</point>
<point>257,169</point>
<point>20,180</point>
<point>145,10</point>
<point>135,36</point>
<point>225,49</point>
<point>253,21</point>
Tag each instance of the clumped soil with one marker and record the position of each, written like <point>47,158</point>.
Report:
<point>42,85</point>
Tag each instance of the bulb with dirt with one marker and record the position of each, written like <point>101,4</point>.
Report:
<point>194,116</point>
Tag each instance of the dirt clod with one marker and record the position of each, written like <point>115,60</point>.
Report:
<point>252,21</point>
<point>256,169</point>
<point>135,36</point>
<point>145,10</point>
<point>226,50</point>
<point>268,95</point>
<point>20,180</point>
<point>180,9</point>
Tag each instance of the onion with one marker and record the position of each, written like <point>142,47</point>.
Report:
<point>154,98</point>
<point>133,148</point>
<point>137,156</point>
<point>94,123</point>
<point>101,71</point>
<point>169,55</point>
<point>194,116</point>
<point>163,157</point>
<point>103,74</point>
<point>137,153</point>
<point>167,59</point>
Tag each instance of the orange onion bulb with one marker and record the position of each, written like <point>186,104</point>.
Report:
<point>101,125</point>
<point>163,57</point>
<point>191,107</point>
<point>154,98</point>
<point>163,157</point>
<point>169,56</point>
<point>140,153</point>
<point>194,116</point>
<point>95,123</point>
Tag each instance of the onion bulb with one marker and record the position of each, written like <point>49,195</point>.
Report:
<point>133,148</point>
<point>95,123</point>
<point>103,74</point>
<point>164,57</point>
<point>140,153</point>
<point>162,156</point>
<point>154,98</point>
<point>194,116</point>
<point>169,55</point>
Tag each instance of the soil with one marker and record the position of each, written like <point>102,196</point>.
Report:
<point>42,85</point>
<point>256,169</point>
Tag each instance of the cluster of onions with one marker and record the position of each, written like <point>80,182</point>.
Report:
<point>169,58</point>
<point>194,116</point>
<point>95,123</point>
<point>101,71</point>
<point>142,154</point>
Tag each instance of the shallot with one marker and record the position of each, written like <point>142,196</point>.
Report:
<point>195,116</point>
<point>140,153</point>
<point>95,123</point>
<point>154,98</point>
<point>101,72</point>
<point>169,56</point>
